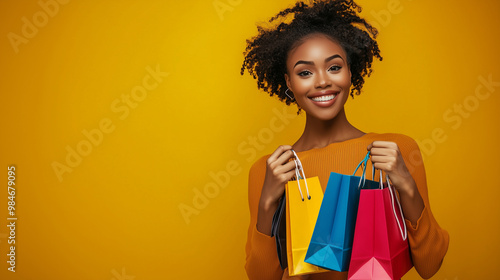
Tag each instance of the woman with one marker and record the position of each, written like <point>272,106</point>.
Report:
<point>316,60</point>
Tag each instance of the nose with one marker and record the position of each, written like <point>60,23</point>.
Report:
<point>322,80</point>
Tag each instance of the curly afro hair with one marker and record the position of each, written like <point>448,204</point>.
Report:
<point>266,53</point>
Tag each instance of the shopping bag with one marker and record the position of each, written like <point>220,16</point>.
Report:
<point>331,242</point>
<point>380,249</point>
<point>278,230</point>
<point>303,200</point>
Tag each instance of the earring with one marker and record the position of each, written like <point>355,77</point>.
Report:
<point>286,93</point>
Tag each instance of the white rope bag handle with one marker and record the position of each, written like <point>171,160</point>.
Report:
<point>298,169</point>
<point>404,233</point>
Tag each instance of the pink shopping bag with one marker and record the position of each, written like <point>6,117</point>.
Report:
<point>380,247</point>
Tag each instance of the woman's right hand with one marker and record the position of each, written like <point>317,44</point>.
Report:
<point>279,170</point>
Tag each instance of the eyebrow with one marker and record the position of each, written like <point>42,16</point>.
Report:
<point>312,63</point>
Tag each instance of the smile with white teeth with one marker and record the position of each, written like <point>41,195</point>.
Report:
<point>324,97</point>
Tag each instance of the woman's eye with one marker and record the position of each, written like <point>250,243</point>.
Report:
<point>335,68</point>
<point>304,73</point>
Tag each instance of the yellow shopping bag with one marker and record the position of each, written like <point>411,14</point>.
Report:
<point>303,201</point>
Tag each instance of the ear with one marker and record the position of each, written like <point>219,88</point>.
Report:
<point>350,73</point>
<point>287,79</point>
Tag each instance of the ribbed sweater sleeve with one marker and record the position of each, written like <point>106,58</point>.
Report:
<point>428,241</point>
<point>261,256</point>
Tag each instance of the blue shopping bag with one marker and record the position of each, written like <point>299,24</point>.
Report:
<point>331,242</point>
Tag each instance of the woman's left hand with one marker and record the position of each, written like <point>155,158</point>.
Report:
<point>386,156</point>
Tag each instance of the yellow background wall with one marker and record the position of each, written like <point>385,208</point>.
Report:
<point>112,211</point>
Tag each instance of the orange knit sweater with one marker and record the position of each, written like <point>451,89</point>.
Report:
<point>428,242</point>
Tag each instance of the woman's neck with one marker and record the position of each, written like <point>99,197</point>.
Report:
<point>318,133</point>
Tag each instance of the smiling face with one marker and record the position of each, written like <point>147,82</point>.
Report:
<point>319,76</point>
